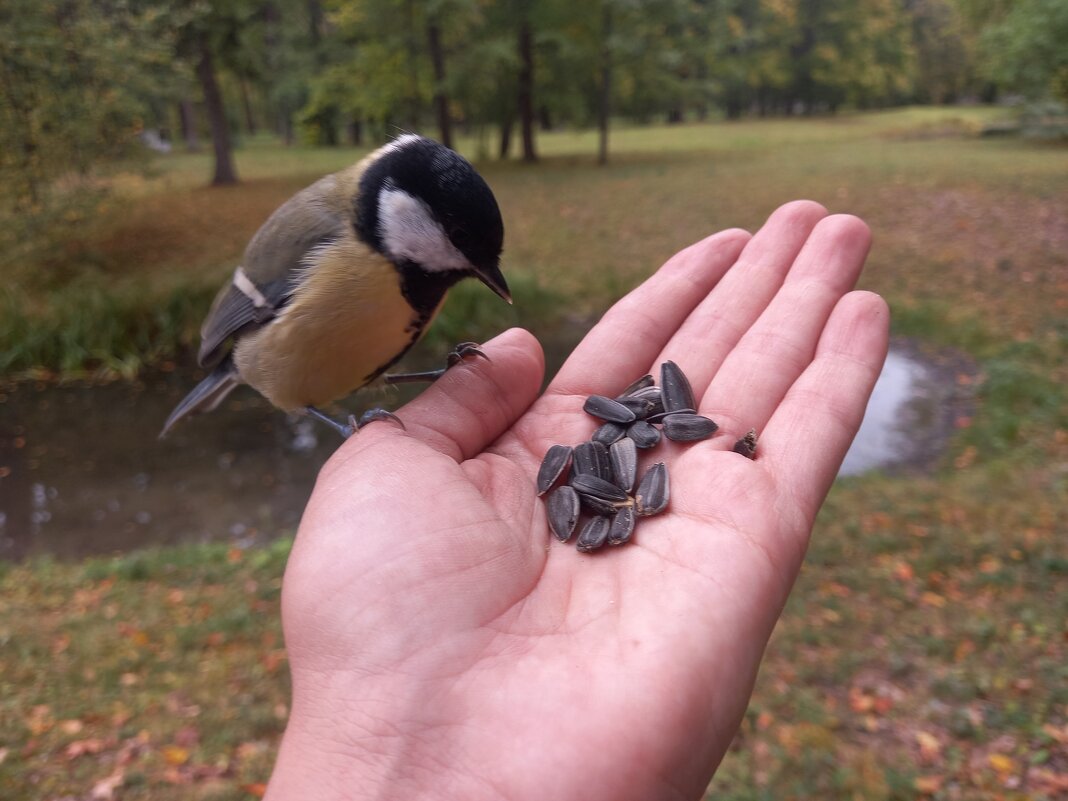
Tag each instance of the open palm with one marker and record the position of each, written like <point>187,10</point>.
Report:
<point>443,645</point>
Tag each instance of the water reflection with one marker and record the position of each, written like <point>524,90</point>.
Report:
<point>81,470</point>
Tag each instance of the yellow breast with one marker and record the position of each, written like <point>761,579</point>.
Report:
<point>345,324</point>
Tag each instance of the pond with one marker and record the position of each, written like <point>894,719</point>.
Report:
<point>82,470</point>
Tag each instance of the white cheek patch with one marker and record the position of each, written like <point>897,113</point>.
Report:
<point>410,232</point>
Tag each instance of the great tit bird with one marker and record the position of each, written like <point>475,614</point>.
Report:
<point>346,276</point>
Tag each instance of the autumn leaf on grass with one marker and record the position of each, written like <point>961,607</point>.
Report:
<point>928,785</point>
<point>104,790</point>
<point>174,754</point>
<point>930,746</point>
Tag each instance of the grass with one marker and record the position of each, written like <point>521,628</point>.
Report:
<point>924,652</point>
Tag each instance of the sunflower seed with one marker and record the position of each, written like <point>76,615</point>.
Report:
<point>643,434</point>
<point>597,487</point>
<point>653,491</point>
<point>622,526</point>
<point>563,509</point>
<point>685,427</point>
<point>747,445</point>
<point>675,388</point>
<point>624,458</point>
<point>555,462</point>
<point>591,459</point>
<point>642,407</point>
<point>658,417</point>
<point>649,393</point>
<point>609,433</point>
<point>597,505</point>
<point>594,534</point>
<point>642,383</point>
<point>608,409</point>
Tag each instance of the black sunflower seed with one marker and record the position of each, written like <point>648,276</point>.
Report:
<point>563,509</point>
<point>609,433</point>
<point>658,417</point>
<point>594,534</point>
<point>642,407</point>
<point>653,491</point>
<point>597,505</point>
<point>591,459</point>
<point>747,445</point>
<point>643,434</point>
<point>624,458</point>
<point>598,488</point>
<point>675,388</point>
<point>555,462</point>
<point>608,409</point>
<point>685,427</point>
<point>622,526</point>
<point>642,383</point>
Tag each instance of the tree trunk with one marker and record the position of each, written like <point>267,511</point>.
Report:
<point>441,98</point>
<point>526,87</point>
<point>246,103</point>
<point>605,93</point>
<point>355,129</point>
<point>220,130</point>
<point>187,123</point>
<point>506,137</point>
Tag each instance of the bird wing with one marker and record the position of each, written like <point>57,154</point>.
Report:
<point>275,263</point>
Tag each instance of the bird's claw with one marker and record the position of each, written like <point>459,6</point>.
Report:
<point>462,351</point>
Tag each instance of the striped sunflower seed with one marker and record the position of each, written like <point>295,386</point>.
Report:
<point>658,417</point>
<point>599,488</point>
<point>644,382</point>
<point>624,458</point>
<point>591,459</point>
<point>643,434</point>
<point>653,491</point>
<point>609,433</point>
<point>649,393</point>
<point>598,506</point>
<point>563,509</point>
<point>747,445</point>
<point>675,388</point>
<point>555,462</point>
<point>642,407</point>
<point>685,427</point>
<point>607,409</point>
<point>622,526</point>
<point>594,534</point>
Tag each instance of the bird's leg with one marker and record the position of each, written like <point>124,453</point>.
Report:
<point>456,355</point>
<point>353,425</point>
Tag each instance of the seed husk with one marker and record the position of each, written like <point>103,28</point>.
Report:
<point>642,407</point>
<point>591,459</point>
<point>598,506</point>
<point>653,491</point>
<point>747,445</point>
<point>563,509</point>
<point>649,393</point>
<point>624,458</point>
<point>675,388</point>
<point>607,409</point>
<point>599,488</point>
<point>642,383</point>
<point>609,433</point>
<point>555,462</point>
<point>594,534</point>
<point>643,434</point>
<point>622,526</point>
<point>686,427</point>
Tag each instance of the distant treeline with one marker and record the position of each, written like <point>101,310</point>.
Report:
<point>81,77</point>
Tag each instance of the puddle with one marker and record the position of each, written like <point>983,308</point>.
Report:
<point>81,470</point>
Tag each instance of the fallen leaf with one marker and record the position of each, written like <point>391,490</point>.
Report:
<point>72,726</point>
<point>933,599</point>
<point>92,745</point>
<point>174,754</point>
<point>930,746</point>
<point>929,785</point>
<point>104,790</point>
<point>1001,763</point>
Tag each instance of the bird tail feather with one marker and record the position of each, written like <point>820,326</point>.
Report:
<point>206,395</point>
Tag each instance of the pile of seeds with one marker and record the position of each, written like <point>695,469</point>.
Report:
<point>604,470</point>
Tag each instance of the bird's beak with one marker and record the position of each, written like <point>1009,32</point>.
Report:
<point>491,276</point>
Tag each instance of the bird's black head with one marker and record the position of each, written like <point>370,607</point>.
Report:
<point>423,205</point>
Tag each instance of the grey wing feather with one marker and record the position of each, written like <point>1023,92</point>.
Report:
<point>274,261</point>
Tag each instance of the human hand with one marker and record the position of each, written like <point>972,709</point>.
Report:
<point>443,644</point>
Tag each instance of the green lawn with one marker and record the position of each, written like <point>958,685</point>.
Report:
<point>924,652</point>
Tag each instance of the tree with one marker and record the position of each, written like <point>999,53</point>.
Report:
<point>1027,50</point>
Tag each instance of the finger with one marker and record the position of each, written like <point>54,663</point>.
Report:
<point>475,401</point>
<point>808,435</point>
<point>624,343</point>
<point>713,329</point>
<point>779,346</point>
